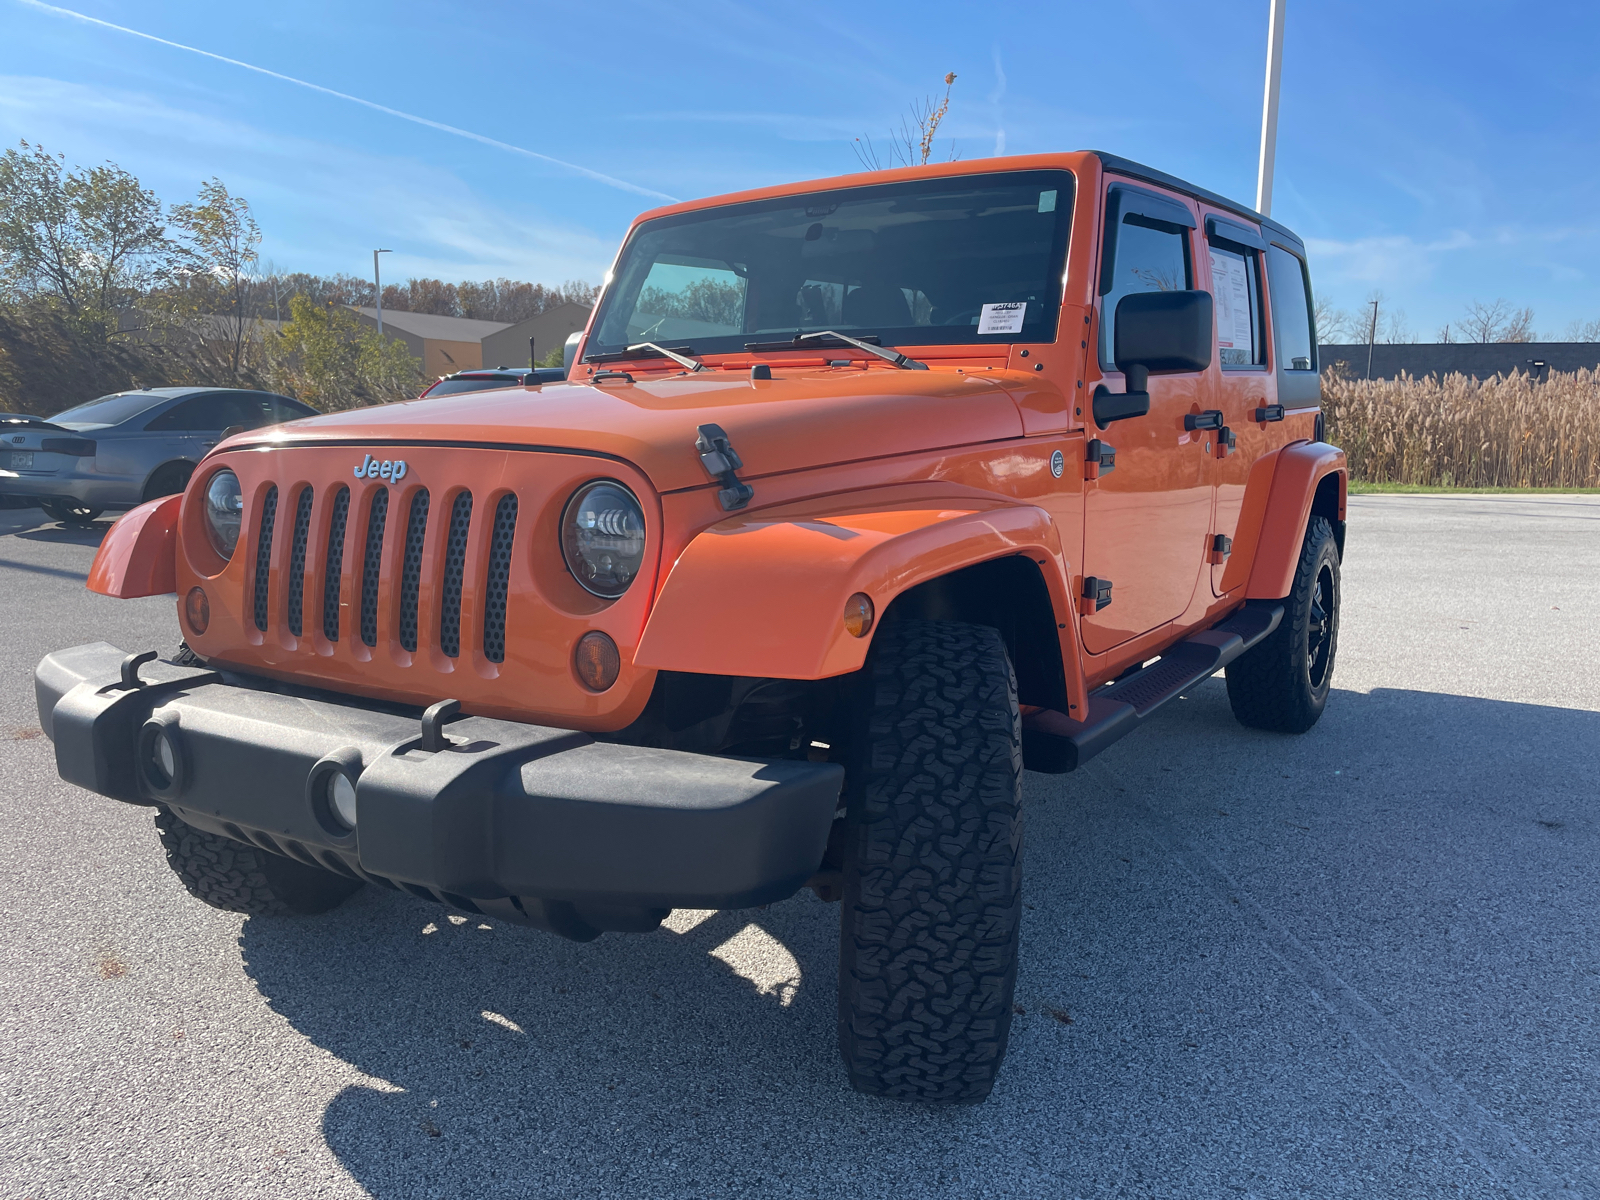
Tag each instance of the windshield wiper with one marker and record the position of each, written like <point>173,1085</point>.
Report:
<point>904,362</point>
<point>678,354</point>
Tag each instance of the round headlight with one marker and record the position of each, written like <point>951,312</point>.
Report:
<point>224,512</point>
<point>602,537</point>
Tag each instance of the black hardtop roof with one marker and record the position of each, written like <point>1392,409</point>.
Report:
<point>1126,166</point>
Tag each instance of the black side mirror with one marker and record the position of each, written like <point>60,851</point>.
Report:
<point>1160,333</point>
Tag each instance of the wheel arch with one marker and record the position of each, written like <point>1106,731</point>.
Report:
<point>1309,478</point>
<point>144,488</point>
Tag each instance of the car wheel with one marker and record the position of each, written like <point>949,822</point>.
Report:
<point>168,480</point>
<point>236,877</point>
<point>70,512</point>
<point>1282,684</point>
<point>932,865</point>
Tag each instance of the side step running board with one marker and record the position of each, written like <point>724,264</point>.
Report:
<point>1054,743</point>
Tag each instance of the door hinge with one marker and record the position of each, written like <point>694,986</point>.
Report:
<point>1210,419</point>
<point>1270,412</point>
<point>721,460</point>
<point>1100,458</point>
<point>1221,547</point>
<point>1096,595</point>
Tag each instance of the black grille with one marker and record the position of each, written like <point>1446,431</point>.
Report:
<point>371,567</point>
<point>297,560</point>
<point>499,579</point>
<point>269,518</point>
<point>335,565</point>
<point>411,569</point>
<point>455,561</point>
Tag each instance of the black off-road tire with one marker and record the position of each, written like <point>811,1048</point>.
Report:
<point>238,878</point>
<point>932,865</point>
<point>1282,684</point>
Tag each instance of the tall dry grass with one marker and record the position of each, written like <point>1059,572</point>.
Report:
<point>1507,431</point>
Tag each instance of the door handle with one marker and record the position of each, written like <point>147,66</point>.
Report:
<point>1210,419</point>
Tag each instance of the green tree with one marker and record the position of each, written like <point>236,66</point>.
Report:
<point>221,237</point>
<point>325,356</point>
<point>90,239</point>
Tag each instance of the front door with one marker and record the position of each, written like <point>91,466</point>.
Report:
<point>1146,523</point>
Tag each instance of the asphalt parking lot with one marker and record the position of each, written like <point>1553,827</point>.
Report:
<point>1364,962</point>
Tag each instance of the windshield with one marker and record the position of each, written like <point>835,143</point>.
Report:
<point>109,410</point>
<point>971,259</point>
<point>449,387</point>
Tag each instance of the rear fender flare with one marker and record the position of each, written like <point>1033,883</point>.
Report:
<point>1300,471</point>
<point>138,556</point>
<point>763,593</point>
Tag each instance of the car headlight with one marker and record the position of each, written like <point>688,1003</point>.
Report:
<point>224,512</point>
<point>602,537</point>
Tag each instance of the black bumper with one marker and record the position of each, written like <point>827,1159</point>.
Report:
<point>524,822</point>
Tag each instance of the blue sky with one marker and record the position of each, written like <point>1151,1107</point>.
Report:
<point>1440,153</point>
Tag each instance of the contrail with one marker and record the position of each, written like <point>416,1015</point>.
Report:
<point>608,180</point>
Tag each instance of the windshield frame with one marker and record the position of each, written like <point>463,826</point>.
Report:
<point>905,336</point>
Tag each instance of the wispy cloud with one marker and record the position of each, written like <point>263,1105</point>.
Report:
<point>608,180</point>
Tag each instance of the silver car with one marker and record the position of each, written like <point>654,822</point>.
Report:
<point>121,450</point>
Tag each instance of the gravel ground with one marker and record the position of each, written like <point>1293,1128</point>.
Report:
<point>1358,963</point>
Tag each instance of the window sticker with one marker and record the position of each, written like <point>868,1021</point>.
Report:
<point>1002,318</point>
<point>1230,285</point>
<point>1047,201</point>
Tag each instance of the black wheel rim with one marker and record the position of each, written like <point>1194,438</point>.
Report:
<point>1320,626</point>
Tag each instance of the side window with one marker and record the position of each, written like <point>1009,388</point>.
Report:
<point>214,412</point>
<point>1236,294</point>
<point>1291,309</point>
<point>1151,256</point>
<point>288,410</point>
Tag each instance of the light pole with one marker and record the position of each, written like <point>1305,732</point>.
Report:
<point>1269,108</point>
<point>377,283</point>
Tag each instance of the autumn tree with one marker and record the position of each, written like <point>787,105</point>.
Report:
<point>219,253</point>
<point>911,145</point>
<point>325,356</point>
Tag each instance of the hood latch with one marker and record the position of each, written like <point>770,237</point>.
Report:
<point>721,460</point>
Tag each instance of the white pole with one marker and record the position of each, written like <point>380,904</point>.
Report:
<point>377,283</point>
<point>1269,108</point>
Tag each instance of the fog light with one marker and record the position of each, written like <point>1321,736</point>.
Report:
<point>858,615</point>
<point>163,760</point>
<point>597,661</point>
<point>342,797</point>
<point>197,610</point>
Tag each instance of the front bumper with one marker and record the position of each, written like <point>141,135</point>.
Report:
<point>523,822</point>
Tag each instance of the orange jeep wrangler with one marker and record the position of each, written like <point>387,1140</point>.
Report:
<point>860,497</point>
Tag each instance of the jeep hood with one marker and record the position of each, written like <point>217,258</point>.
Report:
<point>794,422</point>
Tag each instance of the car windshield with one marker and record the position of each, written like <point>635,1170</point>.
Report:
<point>953,261</point>
<point>109,410</point>
<point>449,387</point>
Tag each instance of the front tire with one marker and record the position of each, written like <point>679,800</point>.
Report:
<point>238,878</point>
<point>933,865</point>
<point>1282,684</point>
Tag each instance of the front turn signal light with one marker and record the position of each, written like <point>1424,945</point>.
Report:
<point>597,661</point>
<point>858,615</point>
<point>197,610</point>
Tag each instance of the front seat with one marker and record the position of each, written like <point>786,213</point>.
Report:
<point>876,306</point>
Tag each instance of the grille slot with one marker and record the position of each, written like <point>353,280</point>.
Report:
<point>411,569</point>
<point>269,518</point>
<point>498,582</point>
<point>455,561</point>
<point>297,561</point>
<point>335,565</point>
<point>370,570</point>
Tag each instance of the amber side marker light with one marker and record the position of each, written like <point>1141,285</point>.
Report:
<point>197,609</point>
<point>858,615</point>
<point>597,661</point>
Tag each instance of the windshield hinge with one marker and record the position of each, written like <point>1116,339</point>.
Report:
<point>721,460</point>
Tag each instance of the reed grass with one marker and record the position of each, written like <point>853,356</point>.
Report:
<point>1508,431</point>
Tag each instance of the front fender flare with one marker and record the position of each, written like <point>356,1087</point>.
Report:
<point>139,554</point>
<point>763,594</point>
<point>1300,468</point>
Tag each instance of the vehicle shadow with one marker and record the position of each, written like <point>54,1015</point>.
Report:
<point>507,1062</point>
<point>32,525</point>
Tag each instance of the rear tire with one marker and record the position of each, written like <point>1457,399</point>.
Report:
<point>168,480</point>
<point>932,865</point>
<point>1282,684</point>
<point>238,878</point>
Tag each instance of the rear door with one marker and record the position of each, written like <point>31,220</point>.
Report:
<point>1147,522</point>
